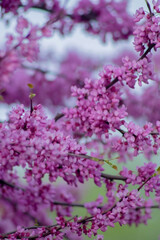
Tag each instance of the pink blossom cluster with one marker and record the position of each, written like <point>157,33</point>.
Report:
<point>128,210</point>
<point>23,136</point>
<point>8,64</point>
<point>139,109</point>
<point>18,48</point>
<point>25,204</point>
<point>98,18</point>
<point>147,32</point>
<point>136,71</point>
<point>10,6</point>
<point>110,16</point>
<point>144,172</point>
<point>97,110</point>
<point>136,103</point>
<point>35,143</point>
<point>100,110</point>
<point>48,150</point>
<point>73,69</point>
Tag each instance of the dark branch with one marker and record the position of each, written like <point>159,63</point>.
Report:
<point>141,186</point>
<point>113,177</point>
<point>2,182</point>
<point>149,7</point>
<point>59,116</point>
<point>147,51</point>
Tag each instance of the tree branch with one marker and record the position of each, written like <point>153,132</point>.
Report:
<point>141,186</point>
<point>2,182</point>
<point>59,116</point>
<point>113,177</point>
<point>5,235</point>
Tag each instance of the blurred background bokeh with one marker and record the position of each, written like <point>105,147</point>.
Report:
<point>92,47</point>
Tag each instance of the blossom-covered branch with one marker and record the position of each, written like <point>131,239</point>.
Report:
<point>87,138</point>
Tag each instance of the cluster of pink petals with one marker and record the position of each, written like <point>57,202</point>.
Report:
<point>9,62</point>
<point>24,204</point>
<point>137,107</point>
<point>10,6</point>
<point>128,210</point>
<point>46,149</point>
<point>146,33</point>
<point>136,71</point>
<point>110,17</point>
<point>35,143</point>
<point>99,18</point>
<point>97,110</point>
<point>73,69</point>
<point>144,172</point>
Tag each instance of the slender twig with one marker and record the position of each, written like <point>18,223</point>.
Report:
<point>59,116</point>
<point>144,207</point>
<point>149,7</point>
<point>112,83</point>
<point>113,177</point>
<point>2,182</point>
<point>36,69</point>
<point>141,186</point>
<point>94,159</point>
<point>31,106</point>
<point>82,221</point>
<point>83,206</point>
<point>152,45</point>
<point>91,15</point>
<point>44,71</point>
<point>5,235</point>
<point>27,228</point>
<point>69,204</point>
<point>88,219</point>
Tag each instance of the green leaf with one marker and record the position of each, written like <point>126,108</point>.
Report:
<point>32,95</point>
<point>30,85</point>
<point>158,170</point>
<point>111,165</point>
<point>1,98</point>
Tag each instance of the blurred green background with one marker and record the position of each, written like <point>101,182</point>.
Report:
<point>151,231</point>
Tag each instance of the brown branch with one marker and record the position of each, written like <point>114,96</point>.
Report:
<point>59,116</point>
<point>70,204</point>
<point>91,15</point>
<point>26,228</point>
<point>31,106</point>
<point>113,177</point>
<point>82,221</point>
<point>141,186</point>
<point>40,7</point>
<point>149,7</point>
<point>82,205</point>
<point>147,51</point>
<point>5,235</point>
<point>93,158</point>
<point>2,182</point>
<point>38,69</point>
<point>112,83</point>
<point>144,207</point>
